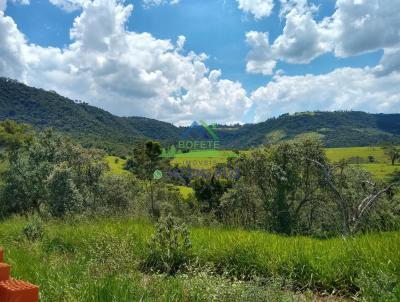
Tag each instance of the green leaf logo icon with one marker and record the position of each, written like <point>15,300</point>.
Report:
<point>157,174</point>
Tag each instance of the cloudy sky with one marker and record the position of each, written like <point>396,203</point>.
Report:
<point>218,60</point>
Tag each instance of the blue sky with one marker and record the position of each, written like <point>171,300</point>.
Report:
<point>220,29</point>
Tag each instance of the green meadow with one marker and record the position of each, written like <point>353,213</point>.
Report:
<point>82,234</point>
<point>101,260</point>
<point>185,191</point>
<point>336,154</point>
<point>116,165</point>
<point>380,168</point>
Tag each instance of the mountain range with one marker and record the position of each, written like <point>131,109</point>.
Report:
<point>95,127</point>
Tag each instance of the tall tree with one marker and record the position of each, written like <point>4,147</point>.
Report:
<point>144,162</point>
<point>354,193</point>
<point>392,151</point>
<point>285,179</point>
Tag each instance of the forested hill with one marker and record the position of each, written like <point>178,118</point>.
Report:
<point>95,127</point>
<point>337,129</point>
<point>90,125</point>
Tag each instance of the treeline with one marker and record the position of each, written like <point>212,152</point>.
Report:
<point>291,188</point>
<point>51,176</point>
<point>288,188</point>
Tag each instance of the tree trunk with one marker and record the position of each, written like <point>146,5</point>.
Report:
<point>152,207</point>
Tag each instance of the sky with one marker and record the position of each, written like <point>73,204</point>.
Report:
<point>225,61</point>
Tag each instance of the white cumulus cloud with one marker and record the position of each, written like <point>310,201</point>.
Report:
<point>3,3</point>
<point>356,27</point>
<point>362,26</point>
<point>342,89</point>
<point>125,72</point>
<point>12,43</point>
<point>258,8</point>
<point>389,63</point>
<point>260,59</point>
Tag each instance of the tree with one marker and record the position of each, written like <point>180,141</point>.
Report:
<point>209,191</point>
<point>285,179</point>
<point>13,135</point>
<point>29,167</point>
<point>242,206</point>
<point>64,197</point>
<point>54,172</point>
<point>118,192</point>
<point>354,193</point>
<point>392,152</point>
<point>146,159</point>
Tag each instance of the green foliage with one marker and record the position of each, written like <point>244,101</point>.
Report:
<point>242,206</point>
<point>209,191</point>
<point>169,247</point>
<point>13,135</point>
<point>392,151</point>
<point>338,129</point>
<point>34,229</point>
<point>282,178</point>
<point>118,193</point>
<point>64,196</point>
<point>146,159</point>
<point>283,188</point>
<point>90,126</point>
<point>291,188</point>
<point>93,127</point>
<point>186,192</point>
<point>117,165</point>
<point>52,173</point>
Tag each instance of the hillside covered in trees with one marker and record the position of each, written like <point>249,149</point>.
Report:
<point>94,127</point>
<point>91,126</point>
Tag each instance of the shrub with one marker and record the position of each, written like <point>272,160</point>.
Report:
<point>118,192</point>
<point>34,229</point>
<point>169,247</point>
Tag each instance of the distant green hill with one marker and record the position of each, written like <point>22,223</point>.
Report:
<point>95,127</point>
<point>88,124</point>
<point>337,129</point>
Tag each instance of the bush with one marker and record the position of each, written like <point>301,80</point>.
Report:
<point>169,247</point>
<point>118,193</point>
<point>34,229</point>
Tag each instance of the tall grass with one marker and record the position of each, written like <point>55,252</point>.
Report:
<point>99,260</point>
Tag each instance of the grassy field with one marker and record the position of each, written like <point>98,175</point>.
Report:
<point>116,165</point>
<point>185,191</point>
<point>99,260</point>
<point>381,171</point>
<point>381,168</point>
<point>336,154</point>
